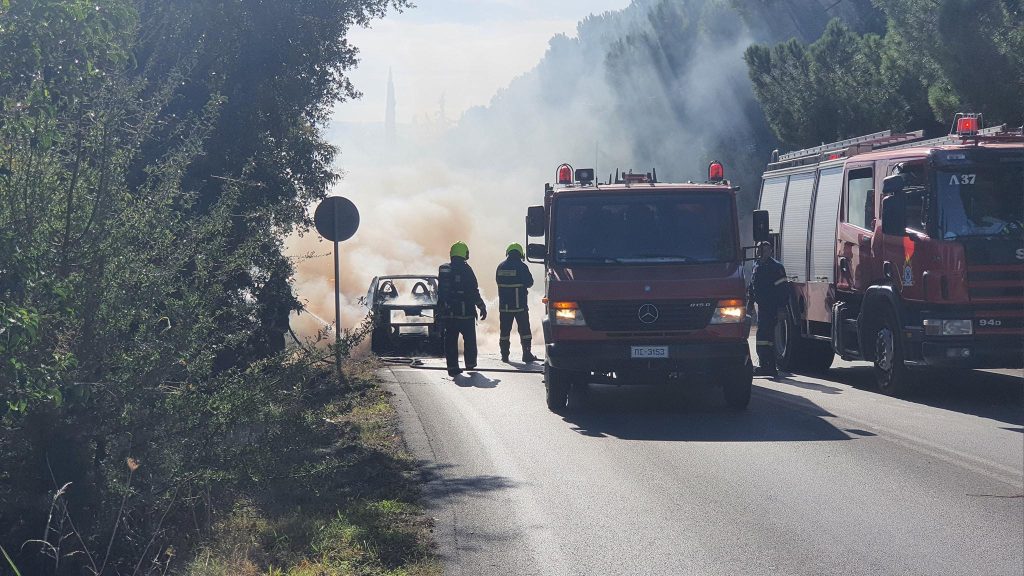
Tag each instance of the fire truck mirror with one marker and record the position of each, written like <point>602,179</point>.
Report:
<point>761,231</point>
<point>536,252</point>
<point>894,213</point>
<point>535,221</point>
<point>893,184</point>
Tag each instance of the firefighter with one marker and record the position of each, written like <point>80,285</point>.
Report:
<point>769,290</point>
<point>514,278</point>
<point>459,298</point>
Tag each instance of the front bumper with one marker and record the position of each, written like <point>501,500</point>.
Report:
<point>966,351</point>
<point>972,354</point>
<point>606,356</point>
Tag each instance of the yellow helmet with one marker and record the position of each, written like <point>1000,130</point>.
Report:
<point>461,250</point>
<point>515,247</point>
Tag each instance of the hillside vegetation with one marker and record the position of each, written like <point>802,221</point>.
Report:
<point>153,156</point>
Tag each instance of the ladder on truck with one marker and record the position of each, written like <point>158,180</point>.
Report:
<point>870,142</point>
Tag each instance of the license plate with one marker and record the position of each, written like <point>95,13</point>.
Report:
<point>649,352</point>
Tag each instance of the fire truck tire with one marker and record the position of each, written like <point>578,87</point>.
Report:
<point>557,384</point>
<point>891,374</point>
<point>787,343</point>
<point>737,386</point>
<point>817,355</point>
<point>794,353</point>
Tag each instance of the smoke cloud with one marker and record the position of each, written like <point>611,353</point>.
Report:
<point>658,85</point>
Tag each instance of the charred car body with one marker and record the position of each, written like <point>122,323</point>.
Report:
<point>404,311</point>
<point>644,283</point>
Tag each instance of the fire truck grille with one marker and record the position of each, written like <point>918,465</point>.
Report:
<point>983,284</point>
<point>669,316</point>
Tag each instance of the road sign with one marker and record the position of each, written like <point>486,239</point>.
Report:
<point>336,218</point>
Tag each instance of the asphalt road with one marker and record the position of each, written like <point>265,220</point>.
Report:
<point>818,476</point>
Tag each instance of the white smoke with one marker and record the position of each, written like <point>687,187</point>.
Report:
<point>473,180</point>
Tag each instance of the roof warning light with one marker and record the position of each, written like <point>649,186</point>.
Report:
<point>716,172</point>
<point>565,174</point>
<point>967,124</point>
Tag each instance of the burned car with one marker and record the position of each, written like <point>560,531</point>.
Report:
<point>404,311</point>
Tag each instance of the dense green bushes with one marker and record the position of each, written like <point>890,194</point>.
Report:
<point>931,60</point>
<point>153,155</point>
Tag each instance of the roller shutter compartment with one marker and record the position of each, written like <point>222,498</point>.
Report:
<point>795,223</point>
<point>826,214</point>
<point>773,196</point>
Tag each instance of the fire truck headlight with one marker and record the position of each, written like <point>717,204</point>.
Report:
<point>729,312</point>
<point>567,314</point>
<point>936,327</point>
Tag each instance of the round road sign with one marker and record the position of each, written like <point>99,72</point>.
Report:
<point>336,218</point>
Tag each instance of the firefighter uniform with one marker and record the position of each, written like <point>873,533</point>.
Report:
<point>768,288</point>
<point>514,278</point>
<point>459,298</point>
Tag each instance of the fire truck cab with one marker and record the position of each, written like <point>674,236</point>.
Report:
<point>901,251</point>
<point>644,283</point>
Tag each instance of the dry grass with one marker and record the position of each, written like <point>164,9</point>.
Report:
<point>373,527</point>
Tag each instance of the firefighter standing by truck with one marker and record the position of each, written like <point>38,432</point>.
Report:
<point>514,278</point>
<point>769,290</point>
<point>459,299</point>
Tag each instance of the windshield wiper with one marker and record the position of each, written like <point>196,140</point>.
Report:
<point>590,260</point>
<point>675,257</point>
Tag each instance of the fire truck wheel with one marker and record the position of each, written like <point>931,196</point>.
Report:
<point>891,373</point>
<point>737,386</point>
<point>787,343</point>
<point>794,353</point>
<point>556,387</point>
<point>817,355</point>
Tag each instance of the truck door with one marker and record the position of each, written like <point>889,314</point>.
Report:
<point>857,221</point>
<point>907,263</point>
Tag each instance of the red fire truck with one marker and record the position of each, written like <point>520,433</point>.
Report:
<point>901,251</point>
<point>643,284</point>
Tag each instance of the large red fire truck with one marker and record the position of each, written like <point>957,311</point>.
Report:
<point>901,251</point>
<point>643,284</point>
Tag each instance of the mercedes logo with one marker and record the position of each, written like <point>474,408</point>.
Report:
<point>648,314</point>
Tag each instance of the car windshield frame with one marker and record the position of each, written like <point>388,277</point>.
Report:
<point>665,239</point>
<point>404,296</point>
<point>984,216</point>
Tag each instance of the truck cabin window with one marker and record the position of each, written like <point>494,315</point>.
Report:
<point>982,200</point>
<point>860,198</point>
<point>645,228</point>
<point>916,194</point>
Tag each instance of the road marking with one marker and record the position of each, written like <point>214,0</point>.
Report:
<point>1007,475</point>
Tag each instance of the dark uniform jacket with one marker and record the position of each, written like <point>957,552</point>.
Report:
<point>513,277</point>
<point>458,292</point>
<point>768,285</point>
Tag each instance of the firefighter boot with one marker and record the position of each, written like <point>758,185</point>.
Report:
<point>505,347</point>
<point>527,355</point>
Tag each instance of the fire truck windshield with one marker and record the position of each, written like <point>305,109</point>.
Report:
<point>638,228</point>
<point>981,200</point>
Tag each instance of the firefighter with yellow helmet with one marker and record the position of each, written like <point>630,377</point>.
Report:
<point>458,295</point>
<point>514,278</point>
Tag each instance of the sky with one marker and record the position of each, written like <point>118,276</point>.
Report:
<point>460,52</point>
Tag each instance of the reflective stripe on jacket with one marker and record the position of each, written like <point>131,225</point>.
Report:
<point>513,278</point>
<point>769,284</point>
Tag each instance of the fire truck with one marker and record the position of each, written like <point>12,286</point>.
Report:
<point>902,251</point>
<point>643,285</point>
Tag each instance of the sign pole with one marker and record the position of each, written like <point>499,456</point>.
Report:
<point>337,299</point>
<point>337,219</point>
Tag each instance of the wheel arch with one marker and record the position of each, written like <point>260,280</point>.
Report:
<point>877,301</point>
